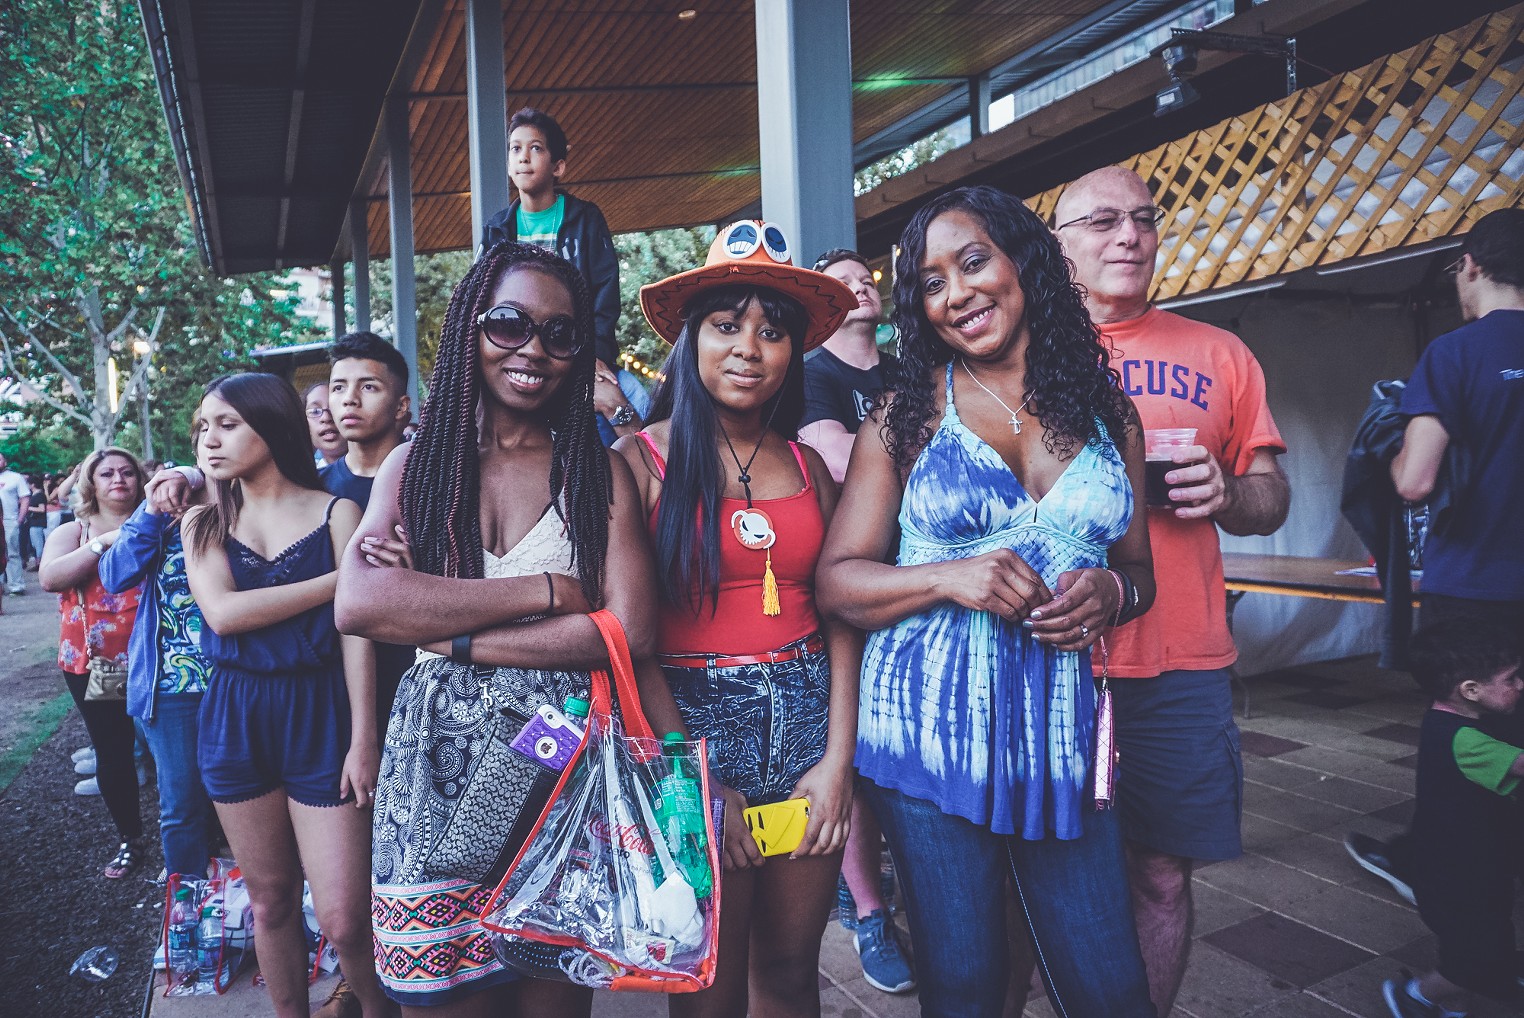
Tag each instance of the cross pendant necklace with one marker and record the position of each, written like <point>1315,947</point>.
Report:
<point>1015,420</point>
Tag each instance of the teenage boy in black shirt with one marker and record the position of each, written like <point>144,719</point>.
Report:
<point>847,373</point>
<point>842,379</point>
<point>367,395</point>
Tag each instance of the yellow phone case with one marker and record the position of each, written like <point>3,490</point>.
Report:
<point>778,827</point>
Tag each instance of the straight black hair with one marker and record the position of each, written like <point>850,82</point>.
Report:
<point>1458,649</point>
<point>269,405</point>
<point>688,516</point>
<point>1496,243</point>
<point>367,346</point>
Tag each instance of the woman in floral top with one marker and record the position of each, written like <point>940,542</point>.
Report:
<point>94,623</point>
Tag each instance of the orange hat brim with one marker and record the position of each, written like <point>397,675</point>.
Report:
<point>826,299</point>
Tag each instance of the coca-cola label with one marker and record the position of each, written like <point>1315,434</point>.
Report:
<point>630,837</point>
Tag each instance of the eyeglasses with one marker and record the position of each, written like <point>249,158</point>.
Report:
<point>317,413</point>
<point>509,328</point>
<point>1145,217</point>
<point>1453,269</point>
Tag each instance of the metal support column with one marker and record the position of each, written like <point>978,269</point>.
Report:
<point>486,113</point>
<point>400,195</point>
<point>979,105</point>
<point>804,112</point>
<point>336,278</point>
<point>359,257</point>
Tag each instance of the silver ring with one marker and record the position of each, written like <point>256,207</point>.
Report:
<point>1084,629</point>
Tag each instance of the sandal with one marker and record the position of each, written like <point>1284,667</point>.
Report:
<point>129,856</point>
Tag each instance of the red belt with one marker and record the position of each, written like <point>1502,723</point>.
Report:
<point>812,645</point>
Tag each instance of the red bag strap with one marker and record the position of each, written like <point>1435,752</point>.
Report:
<point>623,670</point>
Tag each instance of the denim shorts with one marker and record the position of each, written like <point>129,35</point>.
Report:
<point>1180,773</point>
<point>766,723</point>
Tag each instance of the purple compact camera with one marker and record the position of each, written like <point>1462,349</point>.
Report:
<point>549,739</point>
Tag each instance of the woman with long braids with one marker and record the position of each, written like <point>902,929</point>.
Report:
<point>287,741</point>
<point>738,510</point>
<point>1004,468</point>
<point>488,540</point>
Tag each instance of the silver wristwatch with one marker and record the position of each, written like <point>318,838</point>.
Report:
<point>98,548</point>
<point>624,415</point>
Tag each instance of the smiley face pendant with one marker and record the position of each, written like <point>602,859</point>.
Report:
<point>753,528</point>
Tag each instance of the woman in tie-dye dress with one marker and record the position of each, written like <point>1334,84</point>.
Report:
<point>1004,466</point>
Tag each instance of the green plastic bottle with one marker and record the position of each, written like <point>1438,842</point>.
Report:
<point>681,814</point>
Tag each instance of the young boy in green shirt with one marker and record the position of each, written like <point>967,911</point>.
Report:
<point>1468,835</point>
<point>562,223</point>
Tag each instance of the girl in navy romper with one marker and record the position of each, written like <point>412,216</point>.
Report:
<point>288,747</point>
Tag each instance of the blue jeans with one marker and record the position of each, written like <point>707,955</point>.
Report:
<point>185,812</point>
<point>1074,895</point>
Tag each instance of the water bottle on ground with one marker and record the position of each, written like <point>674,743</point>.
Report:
<point>208,948</point>
<point>680,810</point>
<point>181,937</point>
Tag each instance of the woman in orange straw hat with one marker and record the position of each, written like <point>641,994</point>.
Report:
<point>738,512</point>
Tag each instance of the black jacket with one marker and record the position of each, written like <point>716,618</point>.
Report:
<point>584,241</point>
<point>1378,514</point>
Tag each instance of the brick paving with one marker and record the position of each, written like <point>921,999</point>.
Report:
<point>1292,929</point>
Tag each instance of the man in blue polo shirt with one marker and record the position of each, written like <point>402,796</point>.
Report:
<point>1468,391</point>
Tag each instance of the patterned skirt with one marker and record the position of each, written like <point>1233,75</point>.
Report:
<point>448,800</point>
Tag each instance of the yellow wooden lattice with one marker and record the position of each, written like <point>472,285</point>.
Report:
<point>1411,148</point>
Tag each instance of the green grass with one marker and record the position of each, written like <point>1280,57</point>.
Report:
<point>43,723</point>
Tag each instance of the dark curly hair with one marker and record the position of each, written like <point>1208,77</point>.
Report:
<point>1069,377</point>
<point>440,499</point>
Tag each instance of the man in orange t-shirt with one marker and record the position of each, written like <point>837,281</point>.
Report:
<point>1180,778</point>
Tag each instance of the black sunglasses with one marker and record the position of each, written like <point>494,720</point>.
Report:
<point>509,327</point>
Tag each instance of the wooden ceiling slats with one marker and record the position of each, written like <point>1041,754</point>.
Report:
<point>589,48</point>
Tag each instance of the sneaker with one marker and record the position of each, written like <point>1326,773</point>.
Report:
<point>85,766</point>
<point>885,966</point>
<point>1371,855</point>
<point>82,752</point>
<point>1400,1000</point>
<point>89,786</point>
<point>159,961</point>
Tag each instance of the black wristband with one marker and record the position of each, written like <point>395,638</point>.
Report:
<point>550,589</point>
<point>460,649</point>
<point>1129,597</point>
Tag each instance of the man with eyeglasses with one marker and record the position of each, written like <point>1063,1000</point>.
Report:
<point>1179,782</point>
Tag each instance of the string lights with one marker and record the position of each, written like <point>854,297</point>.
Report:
<point>640,367</point>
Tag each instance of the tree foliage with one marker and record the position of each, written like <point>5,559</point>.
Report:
<point>645,258</point>
<point>98,262</point>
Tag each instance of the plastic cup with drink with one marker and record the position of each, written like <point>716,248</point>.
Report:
<point>1159,448</point>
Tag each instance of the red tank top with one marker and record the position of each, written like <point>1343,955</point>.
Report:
<point>738,626</point>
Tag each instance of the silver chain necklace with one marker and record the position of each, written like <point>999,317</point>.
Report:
<point>1015,420</point>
